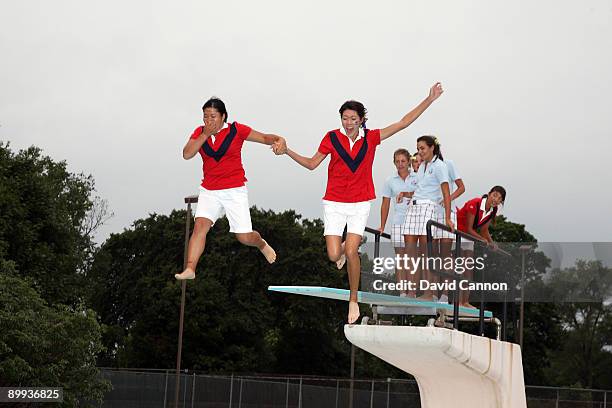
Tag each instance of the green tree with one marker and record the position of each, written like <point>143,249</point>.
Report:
<point>582,296</point>
<point>232,322</point>
<point>47,217</point>
<point>51,346</point>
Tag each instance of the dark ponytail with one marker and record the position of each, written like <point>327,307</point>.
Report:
<point>432,141</point>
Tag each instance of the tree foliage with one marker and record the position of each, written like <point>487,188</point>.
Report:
<point>47,336</point>
<point>44,209</point>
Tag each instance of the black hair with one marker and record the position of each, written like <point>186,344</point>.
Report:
<point>500,190</point>
<point>217,104</point>
<point>357,107</point>
<point>432,141</point>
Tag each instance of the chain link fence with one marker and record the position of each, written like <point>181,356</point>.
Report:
<point>156,389</point>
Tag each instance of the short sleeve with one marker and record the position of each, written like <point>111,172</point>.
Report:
<point>374,137</point>
<point>453,174</point>
<point>387,189</point>
<point>441,172</point>
<point>242,131</point>
<point>197,132</point>
<point>325,146</point>
<point>472,207</point>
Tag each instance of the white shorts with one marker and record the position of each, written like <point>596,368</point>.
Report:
<point>417,217</point>
<point>440,233</point>
<point>397,235</point>
<point>233,201</point>
<point>353,215</point>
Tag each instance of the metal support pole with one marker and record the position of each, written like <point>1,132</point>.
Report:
<point>182,312</point>
<point>481,327</point>
<point>557,402</point>
<point>166,389</point>
<point>231,391</point>
<point>505,314</point>
<point>372,395</point>
<point>376,245</point>
<point>287,395</point>
<point>388,390</point>
<point>193,390</point>
<point>456,279</point>
<point>337,391</point>
<point>522,312</point>
<point>240,396</point>
<point>300,395</point>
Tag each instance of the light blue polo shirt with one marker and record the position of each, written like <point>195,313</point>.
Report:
<point>429,180</point>
<point>395,185</point>
<point>453,175</point>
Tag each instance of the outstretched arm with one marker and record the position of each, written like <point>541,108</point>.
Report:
<point>310,163</point>
<point>434,93</point>
<point>267,139</point>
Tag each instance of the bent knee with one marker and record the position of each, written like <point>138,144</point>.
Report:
<point>201,226</point>
<point>334,255</point>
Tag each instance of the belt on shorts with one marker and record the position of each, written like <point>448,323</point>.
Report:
<point>423,202</point>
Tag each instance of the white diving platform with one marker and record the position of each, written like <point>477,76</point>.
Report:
<point>452,368</point>
<point>413,306</point>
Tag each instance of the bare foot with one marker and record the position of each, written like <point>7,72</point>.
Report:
<point>354,313</point>
<point>340,262</point>
<point>268,252</point>
<point>188,273</point>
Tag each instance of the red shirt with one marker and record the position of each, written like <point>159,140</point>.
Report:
<point>473,207</point>
<point>222,158</point>
<point>349,175</point>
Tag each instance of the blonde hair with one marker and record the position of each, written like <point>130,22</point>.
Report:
<point>404,152</point>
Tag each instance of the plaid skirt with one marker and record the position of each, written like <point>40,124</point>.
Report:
<point>418,215</point>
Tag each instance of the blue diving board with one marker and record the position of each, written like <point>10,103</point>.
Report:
<point>378,299</point>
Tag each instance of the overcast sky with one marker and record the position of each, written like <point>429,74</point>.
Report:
<point>116,87</point>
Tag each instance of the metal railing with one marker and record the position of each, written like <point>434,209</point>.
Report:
<point>459,236</point>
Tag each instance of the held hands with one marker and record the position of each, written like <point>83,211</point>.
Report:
<point>279,147</point>
<point>435,91</point>
<point>450,224</point>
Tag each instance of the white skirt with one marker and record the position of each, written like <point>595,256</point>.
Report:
<point>417,217</point>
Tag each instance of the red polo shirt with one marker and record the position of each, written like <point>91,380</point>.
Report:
<point>349,175</point>
<point>222,159</point>
<point>473,207</point>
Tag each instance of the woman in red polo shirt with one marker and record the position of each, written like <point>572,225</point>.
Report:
<point>223,187</point>
<point>349,182</point>
<point>474,218</point>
